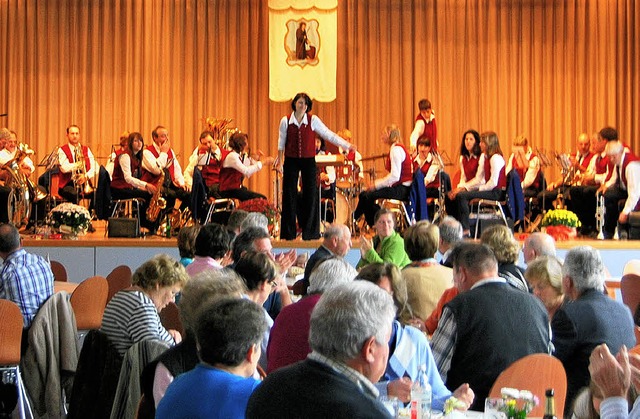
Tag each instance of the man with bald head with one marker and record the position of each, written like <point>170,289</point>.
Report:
<point>536,245</point>
<point>489,320</point>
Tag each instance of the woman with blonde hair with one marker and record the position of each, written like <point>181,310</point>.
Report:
<point>506,248</point>
<point>544,275</point>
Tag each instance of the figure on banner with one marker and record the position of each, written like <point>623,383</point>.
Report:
<point>301,41</point>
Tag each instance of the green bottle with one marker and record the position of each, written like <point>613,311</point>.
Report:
<point>550,405</point>
<point>167,232</point>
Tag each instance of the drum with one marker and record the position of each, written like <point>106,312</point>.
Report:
<point>344,208</point>
<point>344,175</point>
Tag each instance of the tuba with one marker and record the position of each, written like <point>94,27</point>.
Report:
<point>81,172</point>
<point>157,202</point>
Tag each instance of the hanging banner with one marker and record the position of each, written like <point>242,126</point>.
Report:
<point>303,39</point>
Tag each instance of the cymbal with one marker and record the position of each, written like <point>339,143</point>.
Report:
<point>381,156</point>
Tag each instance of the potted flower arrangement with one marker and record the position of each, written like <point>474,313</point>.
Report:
<point>263,206</point>
<point>517,403</point>
<point>561,224</point>
<point>69,219</point>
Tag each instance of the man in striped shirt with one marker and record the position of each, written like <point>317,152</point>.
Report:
<point>25,279</point>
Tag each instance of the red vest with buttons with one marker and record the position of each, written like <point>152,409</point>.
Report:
<point>117,180</point>
<point>230,178</point>
<point>301,141</point>
<point>470,166</point>
<point>502,179</point>
<point>152,178</point>
<point>65,178</point>
<point>522,171</point>
<point>211,171</point>
<point>406,170</point>
<point>426,165</point>
<point>622,179</point>
<point>429,132</point>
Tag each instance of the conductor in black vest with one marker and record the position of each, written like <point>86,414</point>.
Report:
<point>488,326</point>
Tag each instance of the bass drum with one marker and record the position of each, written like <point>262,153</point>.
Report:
<point>344,208</point>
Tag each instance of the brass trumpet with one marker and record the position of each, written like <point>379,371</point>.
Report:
<point>600,211</point>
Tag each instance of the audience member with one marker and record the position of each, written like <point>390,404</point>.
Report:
<point>200,291</point>
<point>255,219</point>
<point>590,319</point>
<point>212,244</point>
<point>257,239</point>
<point>236,218</point>
<point>544,275</point>
<point>387,245</point>
<point>187,242</point>
<point>408,351</point>
<point>450,234</point>
<point>335,243</point>
<point>132,314</point>
<point>536,245</point>
<point>259,274</point>
<point>228,334</point>
<point>615,377</point>
<point>488,321</point>
<point>506,249</point>
<point>425,278</point>
<point>25,278</point>
<point>388,277</point>
<point>289,337</point>
<point>349,334</point>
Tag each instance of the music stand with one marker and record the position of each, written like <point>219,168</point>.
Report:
<point>49,161</point>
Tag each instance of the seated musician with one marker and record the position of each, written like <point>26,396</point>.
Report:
<point>236,165</point>
<point>9,153</point>
<point>122,147</point>
<point>24,164</point>
<point>579,163</point>
<point>396,185</point>
<point>471,166</point>
<point>427,164</point>
<point>624,185</point>
<point>127,173</point>
<point>207,156</point>
<point>77,168</point>
<point>495,180</point>
<point>598,171</point>
<point>160,156</point>
<point>527,164</point>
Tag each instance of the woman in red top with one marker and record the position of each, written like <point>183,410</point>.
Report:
<point>471,166</point>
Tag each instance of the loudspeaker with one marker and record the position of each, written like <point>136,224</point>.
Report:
<point>634,225</point>
<point>123,227</point>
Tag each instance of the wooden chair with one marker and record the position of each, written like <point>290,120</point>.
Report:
<point>88,302</point>
<point>11,338</point>
<point>630,289</point>
<point>170,318</point>
<point>536,373</point>
<point>59,271</point>
<point>118,279</point>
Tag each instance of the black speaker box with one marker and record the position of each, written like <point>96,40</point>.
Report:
<point>123,227</point>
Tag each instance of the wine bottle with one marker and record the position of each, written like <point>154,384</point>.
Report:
<point>550,405</point>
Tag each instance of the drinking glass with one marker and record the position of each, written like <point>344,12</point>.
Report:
<point>493,408</point>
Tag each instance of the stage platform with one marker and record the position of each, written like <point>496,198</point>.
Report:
<point>96,254</point>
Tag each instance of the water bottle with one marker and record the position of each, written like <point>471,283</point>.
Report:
<point>167,232</point>
<point>421,396</point>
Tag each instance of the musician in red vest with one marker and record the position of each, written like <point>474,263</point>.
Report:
<point>396,185</point>
<point>427,164</point>
<point>579,163</point>
<point>597,173</point>
<point>425,126</point>
<point>236,165</point>
<point>77,167</point>
<point>626,186</point>
<point>296,157</point>
<point>471,166</point>
<point>159,156</point>
<point>524,161</point>
<point>127,172</point>
<point>495,180</point>
<point>208,157</point>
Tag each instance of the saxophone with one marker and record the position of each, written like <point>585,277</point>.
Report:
<point>157,202</point>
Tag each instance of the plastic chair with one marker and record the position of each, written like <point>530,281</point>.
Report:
<point>118,279</point>
<point>170,318</point>
<point>630,289</point>
<point>88,302</point>
<point>11,338</point>
<point>59,271</point>
<point>536,373</point>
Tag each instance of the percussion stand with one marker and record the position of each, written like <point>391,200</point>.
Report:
<point>441,212</point>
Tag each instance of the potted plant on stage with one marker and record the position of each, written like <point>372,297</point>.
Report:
<point>69,219</point>
<point>561,224</point>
